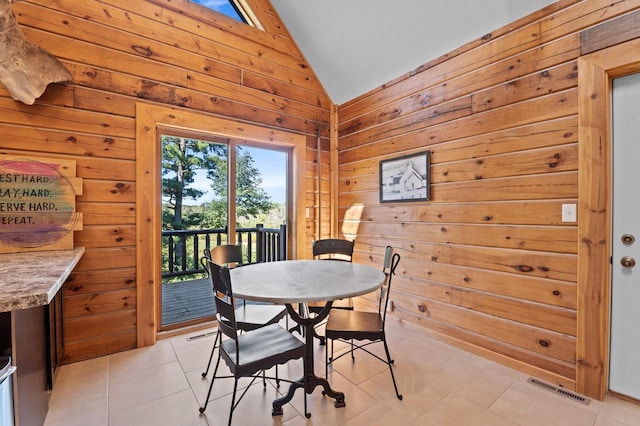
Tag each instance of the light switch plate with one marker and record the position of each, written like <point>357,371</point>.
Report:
<point>569,213</point>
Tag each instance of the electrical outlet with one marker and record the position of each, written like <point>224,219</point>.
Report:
<point>569,213</point>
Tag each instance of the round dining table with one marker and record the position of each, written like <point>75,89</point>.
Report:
<point>297,282</point>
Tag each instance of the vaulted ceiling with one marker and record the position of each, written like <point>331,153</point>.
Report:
<point>357,45</point>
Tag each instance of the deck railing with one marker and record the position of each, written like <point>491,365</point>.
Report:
<point>184,248</point>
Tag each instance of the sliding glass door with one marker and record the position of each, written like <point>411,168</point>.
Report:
<point>205,182</point>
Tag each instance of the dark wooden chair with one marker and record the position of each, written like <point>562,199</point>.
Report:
<point>331,249</point>
<point>252,352</point>
<point>248,316</point>
<point>370,326</point>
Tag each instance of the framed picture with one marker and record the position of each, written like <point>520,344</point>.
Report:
<point>405,178</point>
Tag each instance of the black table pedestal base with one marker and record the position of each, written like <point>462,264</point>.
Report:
<point>310,381</point>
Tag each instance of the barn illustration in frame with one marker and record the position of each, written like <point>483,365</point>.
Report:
<point>405,178</point>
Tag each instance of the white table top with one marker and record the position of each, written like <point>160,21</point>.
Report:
<point>298,281</point>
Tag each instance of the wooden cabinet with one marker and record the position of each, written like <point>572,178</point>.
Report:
<point>33,339</point>
<point>31,331</point>
<point>29,353</point>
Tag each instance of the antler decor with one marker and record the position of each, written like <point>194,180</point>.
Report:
<point>25,69</point>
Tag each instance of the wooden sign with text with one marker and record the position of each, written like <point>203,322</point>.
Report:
<point>38,204</point>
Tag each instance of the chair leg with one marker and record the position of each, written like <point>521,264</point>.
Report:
<point>353,358</point>
<point>213,349</point>
<point>206,401</point>
<point>332,343</point>
<point>389,362</point>
<point>322,339</point>
<point>331,350</point>
<point>326,360</point>
<point>233,398</point>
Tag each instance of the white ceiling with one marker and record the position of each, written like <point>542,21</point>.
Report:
<point>357,45</point>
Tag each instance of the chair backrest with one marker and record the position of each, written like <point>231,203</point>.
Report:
<point>225,254</point>
<point>391,260</point>
<point>223,296</point>
<point>205,259</point>
<point>333,248</point>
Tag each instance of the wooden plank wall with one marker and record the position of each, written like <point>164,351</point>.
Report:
<point>488,263</point>
<point>121,52</point>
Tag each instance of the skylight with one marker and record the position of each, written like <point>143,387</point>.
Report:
<point>226,7</point>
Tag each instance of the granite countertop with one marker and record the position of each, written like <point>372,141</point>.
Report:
<point>33,278</point>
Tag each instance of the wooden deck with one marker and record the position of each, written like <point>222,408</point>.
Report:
<point>187,300</point>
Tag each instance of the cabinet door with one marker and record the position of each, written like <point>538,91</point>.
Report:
<point>30,357</point>
<point>55,337</point>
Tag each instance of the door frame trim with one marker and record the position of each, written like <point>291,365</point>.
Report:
<point>151,118</point>
<point>595,72</point>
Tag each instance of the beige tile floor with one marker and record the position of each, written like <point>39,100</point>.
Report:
<point>442,385</point>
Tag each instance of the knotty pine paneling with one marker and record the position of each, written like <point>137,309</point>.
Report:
<point>96,282</point>
<point>99,259</point>
<point>93,304</point>
<point>172,53</point>
<point>83,145</point>
<point>113,214</point>
<point>493,70</point>
<point>106,236</point>
<point>539,212</point>
<point>94,326</point>
<point>109,343</point>
<point>487,263</point>
<point>416,134</point>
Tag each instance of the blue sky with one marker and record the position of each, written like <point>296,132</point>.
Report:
<point>273,169</point>
<point>221,6</point>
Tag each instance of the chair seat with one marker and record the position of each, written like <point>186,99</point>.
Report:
<point>358,325</point>
<point>251,317</point>
<point>354,325</point>
<point>261,349</point>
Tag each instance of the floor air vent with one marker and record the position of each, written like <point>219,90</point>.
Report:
<point>201,336</point>
<point>559,390</point>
